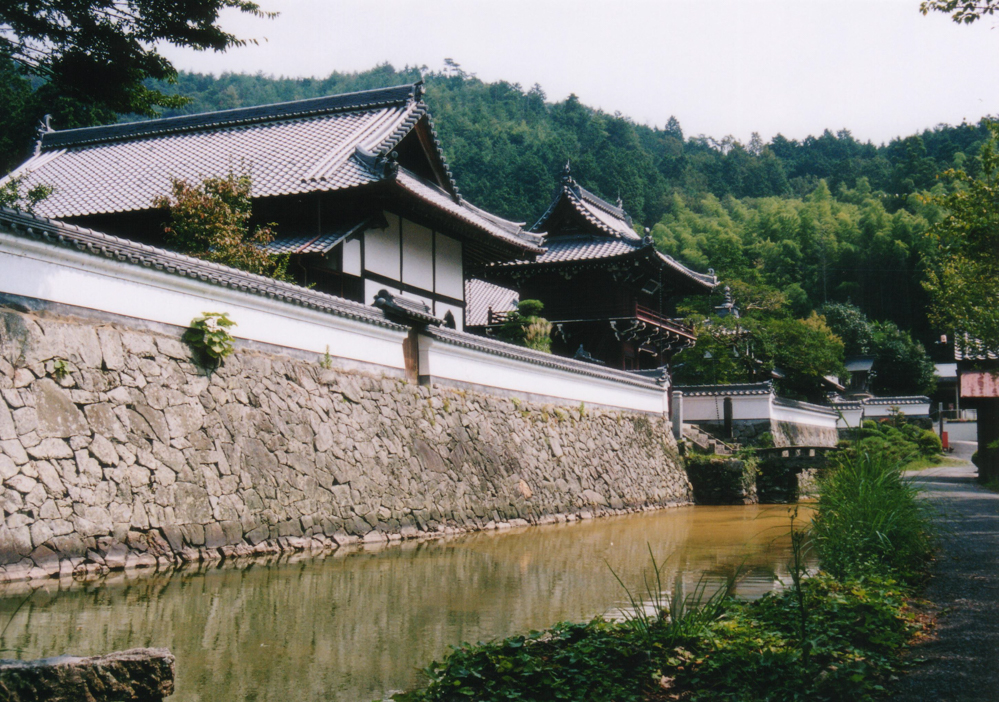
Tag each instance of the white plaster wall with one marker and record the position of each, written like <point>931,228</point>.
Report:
<point>443,362</point>
<point>801,415</point>
<point>43,271</point>
<point>417,256</point>
<point>851,419</point>
<point>352,257</point>
<point>450,279</point>
<point>872,411</point>
<point>698,408</point>
<point>381,249</point>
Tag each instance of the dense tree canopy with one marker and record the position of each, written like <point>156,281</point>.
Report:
<point>963,261</point>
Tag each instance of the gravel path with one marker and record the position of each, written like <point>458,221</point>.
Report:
<point>962,660</point>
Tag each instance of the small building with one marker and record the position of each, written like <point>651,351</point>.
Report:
<point>978,379</point>
<point>610,295</point>
<point>356,184</point>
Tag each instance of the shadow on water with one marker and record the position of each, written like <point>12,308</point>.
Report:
<point>357,625</point>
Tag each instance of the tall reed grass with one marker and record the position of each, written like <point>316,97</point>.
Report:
<point>870,519</point>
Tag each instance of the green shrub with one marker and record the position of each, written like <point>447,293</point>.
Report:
<point>869,518</point>
<point>929,443</point>
<point>854,634</point>
<point>587,662</point>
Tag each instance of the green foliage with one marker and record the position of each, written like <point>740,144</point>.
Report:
<point>525,327</point>
<point>854,633</point>
<point>901,364</point>
<point>13,197</point>
<point>101,52</point>
<point>744,651</point>
<point>326,362</point>
<point>211,220</point>
<point>209,335</point>
<point>961,11</point>
<point>962,275</point>
<point>747,350</point>
<point>60,369</point>
<point>929,443</point>
<point>870,519</point>
<point>586,662</point>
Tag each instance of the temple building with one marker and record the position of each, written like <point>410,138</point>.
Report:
<point>356,185</point>
<point>610,295</point>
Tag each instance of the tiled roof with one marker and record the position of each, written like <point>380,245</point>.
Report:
<point>480,296</point>
<point>968,348</point>
<point>856,364</point>
<point>608,219</point>
<point>501,348</point>
<point>512,232</point>
<point>798,404</point>
<point>612,219</point>
<point>585,248</point>
<point>734,389</point>
<point>126,251</point>
<point>288,148</point>
<point>901,400</point>
<point>591,248</point>
<point>312,243</point>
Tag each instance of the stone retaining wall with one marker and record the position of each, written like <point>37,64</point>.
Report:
<point>145,674</point>
<point>117,450</point>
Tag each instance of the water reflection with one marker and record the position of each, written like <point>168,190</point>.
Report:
<point>355,626</point>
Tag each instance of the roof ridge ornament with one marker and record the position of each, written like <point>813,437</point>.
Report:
<point>44,127</point>
<point>419,88</point>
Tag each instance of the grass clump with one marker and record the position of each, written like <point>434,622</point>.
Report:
<point>870,520</point>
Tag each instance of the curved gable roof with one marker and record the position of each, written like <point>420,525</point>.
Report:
<point>599,216</point>
<point>288,148</point>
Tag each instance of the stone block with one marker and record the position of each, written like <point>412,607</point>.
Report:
<point>51,448</point>
<point>103,450</point>
<point>111,348</point>
<point>57,414</point>
<point>214,536</point>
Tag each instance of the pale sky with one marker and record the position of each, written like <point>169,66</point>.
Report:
<point>876,67</point>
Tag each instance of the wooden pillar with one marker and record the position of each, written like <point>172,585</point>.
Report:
<point>988,440</point>
<point>727,408</point>
<point>411,355</point>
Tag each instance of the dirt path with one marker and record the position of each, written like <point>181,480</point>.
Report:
<point>962,661</point>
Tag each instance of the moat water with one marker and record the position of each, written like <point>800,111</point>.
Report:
<point>358,625</point>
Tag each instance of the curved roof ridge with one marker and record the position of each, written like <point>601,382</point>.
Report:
<point>343,102</point>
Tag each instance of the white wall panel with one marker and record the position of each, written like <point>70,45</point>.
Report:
<point>56,274</point>
<point>382,249</point>
<point>417,256</point>
<point>352,257</point>
<point>443,362</point>
<point>450,278</point>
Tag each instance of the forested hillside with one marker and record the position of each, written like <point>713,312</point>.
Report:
<point>791,225</point>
